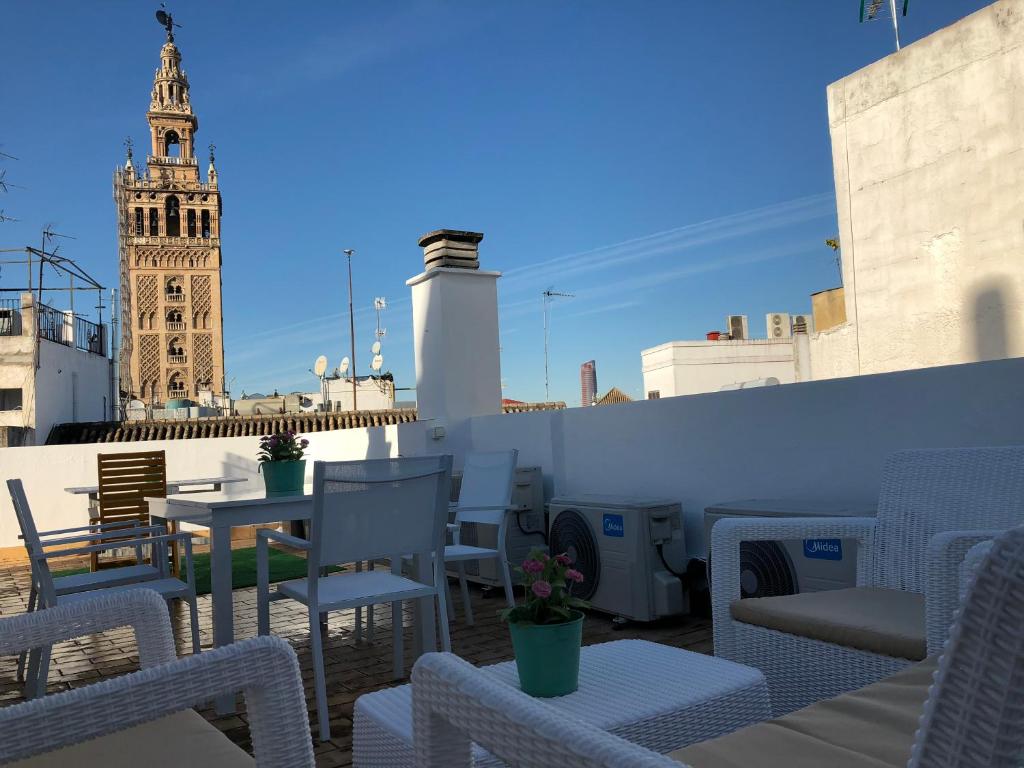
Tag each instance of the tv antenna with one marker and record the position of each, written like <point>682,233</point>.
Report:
<point>548,296</point>
<point>4,217</point>
<point>380,304</point>
<point>873,10</point>
<point>5,186</point>
<point>167,22</point>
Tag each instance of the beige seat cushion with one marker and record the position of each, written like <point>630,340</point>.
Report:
<point>870,728</point>
<point>889,622</point>
<point>181,739</point>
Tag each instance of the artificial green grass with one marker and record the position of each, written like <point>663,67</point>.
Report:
<point>283,567</point>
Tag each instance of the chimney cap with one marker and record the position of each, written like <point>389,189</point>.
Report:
<point>455,235</point>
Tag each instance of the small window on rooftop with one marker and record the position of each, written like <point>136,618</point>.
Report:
<point>654,394</point>
<point>10,399</point>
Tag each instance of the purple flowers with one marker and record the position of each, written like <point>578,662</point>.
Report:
<point>533,566</point>
<point>541,589</point>
<point>549,581</point>
<point>282,446</point>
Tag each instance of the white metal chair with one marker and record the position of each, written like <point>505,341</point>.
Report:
<point>933,506</point>
<point>90,723</point>
<point>48,592</point>
<point>485,498</point>
<point>35,541</point>
<point>972,716</point>
<point>379,509</point>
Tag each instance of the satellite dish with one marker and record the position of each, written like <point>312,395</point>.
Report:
<point>378,361</point>
<point>344,366</point>
<point>320,367</point>
<point>375,348</point>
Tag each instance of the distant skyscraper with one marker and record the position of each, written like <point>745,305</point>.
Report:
<point>588,383</point>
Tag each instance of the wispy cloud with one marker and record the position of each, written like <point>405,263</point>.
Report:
<point>734,226</point>
<point>604,309</point>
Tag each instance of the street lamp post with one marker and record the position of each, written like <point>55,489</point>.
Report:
<point>349,252</point>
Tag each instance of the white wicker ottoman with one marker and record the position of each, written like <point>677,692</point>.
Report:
<point>660,697</point>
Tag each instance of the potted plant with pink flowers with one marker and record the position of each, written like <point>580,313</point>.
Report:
<point>281,462</point>
<point>547,629</point>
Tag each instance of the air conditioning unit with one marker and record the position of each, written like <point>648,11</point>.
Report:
<point>803,324</point>
<point>779,326</point>
<point>616,543</point>
<point>526,528</point>
<point>769,568</point>
<point>737,325</point>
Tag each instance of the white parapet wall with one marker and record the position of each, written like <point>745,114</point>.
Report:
<point>47,470</point>
<point>812,440</point>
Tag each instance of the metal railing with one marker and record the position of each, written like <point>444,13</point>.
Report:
<point>10,317</point>
<point>173,326</point>
<point>175,297</point>
<point>168,240</point>
<point>167,160</point>
<point>62,328</point>
<point>176,359</point>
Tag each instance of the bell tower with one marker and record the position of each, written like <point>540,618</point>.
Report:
<point>169,243</point>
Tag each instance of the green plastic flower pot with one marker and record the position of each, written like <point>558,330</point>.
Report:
<point>283,478</point>
<point>548,656</point>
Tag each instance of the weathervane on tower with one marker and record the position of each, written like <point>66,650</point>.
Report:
<point>167,21</point>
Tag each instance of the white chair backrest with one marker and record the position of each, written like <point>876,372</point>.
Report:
<point>974,715</point>
<point>40,570</point>
<point>924,493</point>
<point>378,508</point>
<point>486,490</point>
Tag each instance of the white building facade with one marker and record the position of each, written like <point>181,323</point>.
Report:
<point>71,382</point>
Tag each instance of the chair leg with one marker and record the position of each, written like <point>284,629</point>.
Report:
<point>319,680</point>
<point>449,605</point>
<point>464,589</point>
<point>506,579</point>
<point>38,672</point>
<point>193,611</point>
<point>23,656</point>
<point>442,612</point>
<point>397,640</point>
<point>359,610</point>
<point>369,611</point>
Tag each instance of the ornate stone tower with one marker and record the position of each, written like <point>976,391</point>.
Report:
<point>169,240</point>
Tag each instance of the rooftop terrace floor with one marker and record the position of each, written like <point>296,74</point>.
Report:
<point>352,669</point>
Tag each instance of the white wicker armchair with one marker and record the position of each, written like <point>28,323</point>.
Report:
<point>265,669</point>
<point>930,509</point>
<point>973,715</point>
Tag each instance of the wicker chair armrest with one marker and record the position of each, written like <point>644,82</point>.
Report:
<point>727,534</point>
<point>454,704</point>
<point>283,538</point>
<point>971,563</point>
<point>144,610</point>
<point>265,669</point>
<point>943,589</point>
<point>123,533</point>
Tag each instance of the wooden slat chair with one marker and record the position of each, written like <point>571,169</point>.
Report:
<point>126,480</point>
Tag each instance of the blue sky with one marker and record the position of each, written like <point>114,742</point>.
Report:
<point>667,162</point>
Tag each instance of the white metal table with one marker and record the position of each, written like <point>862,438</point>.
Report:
<point>220,512</point>
<point>660,697</point>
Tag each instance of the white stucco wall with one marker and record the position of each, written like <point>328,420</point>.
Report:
<point>692,367</point>
<point>928,153</point>
<point>47,470</point>
<point>820,439</point>
<point>70,385</point>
